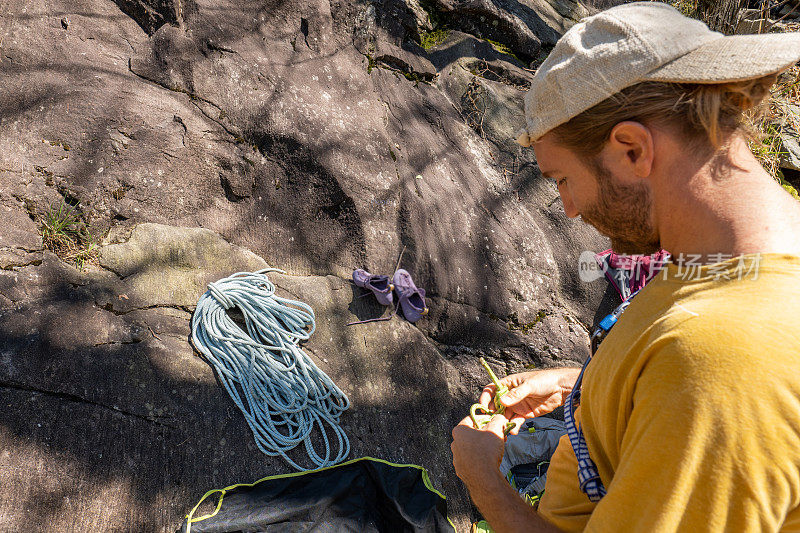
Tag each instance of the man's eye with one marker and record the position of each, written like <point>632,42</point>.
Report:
<point>561,181</point>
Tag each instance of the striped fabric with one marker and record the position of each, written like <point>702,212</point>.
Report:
<point>588,476</point>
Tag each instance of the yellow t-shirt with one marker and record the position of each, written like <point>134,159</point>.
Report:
<point>691,407</point>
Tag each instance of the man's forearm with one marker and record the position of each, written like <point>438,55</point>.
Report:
<point>504,509</point>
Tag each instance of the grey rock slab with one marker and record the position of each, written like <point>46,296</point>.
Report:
<point>19,230</point>
<point>37,279</point>
<point>16,258</point>
<point>469,49</point>
<point>411,62</point>
<point>489,94</point>
<point>152,14</point>
<point>421,16</point>
<point>333,153</point>
<point>264,125</point>
<point>20,242</point>
<point>790,152</point>
<point>162,265</point>
<point>400,23</point>
<point>162,321</point>
<point>488,20</point>
<point>155,420</point>
<point>156,246</point>
<point>147,403</point>
<point>550,19</point>
<point>524,26</point>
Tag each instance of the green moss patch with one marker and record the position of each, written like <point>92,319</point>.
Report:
<point>429,39</point>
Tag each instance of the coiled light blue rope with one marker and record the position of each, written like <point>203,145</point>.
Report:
<point>278,388</point>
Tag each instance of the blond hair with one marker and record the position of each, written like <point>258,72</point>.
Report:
<point>706,115</point>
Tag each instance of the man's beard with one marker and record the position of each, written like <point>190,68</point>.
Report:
<point>622,213</point>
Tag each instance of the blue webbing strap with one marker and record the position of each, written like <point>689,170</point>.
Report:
<point>588,476</point>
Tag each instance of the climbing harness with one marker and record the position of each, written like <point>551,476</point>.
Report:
<point>500,391</point>
<point>605,325</point>
<point>281,392</point>
<point>629,273</point>
<point>588,476</point>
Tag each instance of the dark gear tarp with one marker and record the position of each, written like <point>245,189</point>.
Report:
<point>364,494</point>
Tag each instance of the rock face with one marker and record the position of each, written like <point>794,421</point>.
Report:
<point>790,151</point>
<point>521,25</point>
<point>201,138</point>
<point>152,14</point>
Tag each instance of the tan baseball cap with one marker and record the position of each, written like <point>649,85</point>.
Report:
<point>641,41</point>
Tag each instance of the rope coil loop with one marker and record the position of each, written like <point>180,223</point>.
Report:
<point>281,392</point>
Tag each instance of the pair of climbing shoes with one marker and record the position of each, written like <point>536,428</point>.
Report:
<point>410,298</point>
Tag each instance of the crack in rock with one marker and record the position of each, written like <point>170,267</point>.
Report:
<point>117,343</point>
<point>66,396</point>
<point>16,266</point>
<point>108,307</point>
<point>24,249</point>
<point>395,64</point>
<point>193,97</point>
<point>211,45</point>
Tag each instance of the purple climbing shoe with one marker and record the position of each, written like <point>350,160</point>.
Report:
<point>378,284</point>
<point>411,299</point>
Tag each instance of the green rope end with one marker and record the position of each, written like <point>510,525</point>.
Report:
<point>500,390</point>
<point>499,407</point>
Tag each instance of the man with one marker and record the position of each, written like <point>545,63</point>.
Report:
<point>690,408</point>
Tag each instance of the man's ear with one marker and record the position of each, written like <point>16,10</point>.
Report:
<point>630,147</point>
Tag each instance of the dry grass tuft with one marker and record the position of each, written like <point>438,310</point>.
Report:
<point>780,118</point>
<point>66,235</point>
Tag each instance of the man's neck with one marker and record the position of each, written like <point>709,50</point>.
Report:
<point>724,210</point>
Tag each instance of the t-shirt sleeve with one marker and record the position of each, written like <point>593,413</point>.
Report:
<point>711,441</point>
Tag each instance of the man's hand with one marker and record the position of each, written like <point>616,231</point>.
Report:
<point>477,452</point>
<point>476,456</point>
<point>532,393</point>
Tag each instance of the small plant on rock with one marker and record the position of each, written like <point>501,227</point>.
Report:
<point>503,49</point>
<point>66,235</point>
<point>687,7</point>
<point>429,39</point>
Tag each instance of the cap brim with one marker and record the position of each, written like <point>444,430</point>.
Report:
<point>733,58</point>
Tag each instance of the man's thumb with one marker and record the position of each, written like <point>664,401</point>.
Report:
<point>513,396</point>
